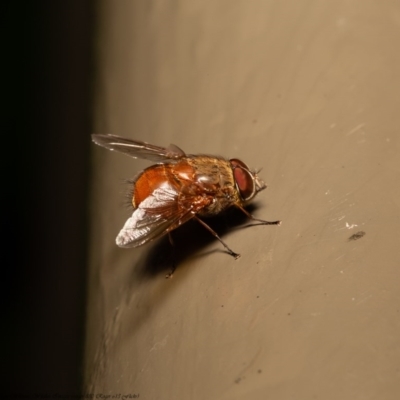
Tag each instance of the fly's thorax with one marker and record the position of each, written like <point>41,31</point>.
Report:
<point>214,175</point>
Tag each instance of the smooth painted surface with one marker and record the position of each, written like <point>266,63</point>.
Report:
<point>310,92</point>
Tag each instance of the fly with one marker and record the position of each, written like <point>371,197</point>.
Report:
<point>180,187</point>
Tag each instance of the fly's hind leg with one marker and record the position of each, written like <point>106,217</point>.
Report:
<point>230,251</point>
<point>173,267</point>
<point>261,221</point>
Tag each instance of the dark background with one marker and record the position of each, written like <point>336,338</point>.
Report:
<point>47,56</point>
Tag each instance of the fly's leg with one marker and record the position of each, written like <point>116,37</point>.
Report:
<point>262,222</point>
<point>231,252</point>
<point>171,273</point>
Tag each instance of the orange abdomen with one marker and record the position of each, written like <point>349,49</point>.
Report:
<point>156,176</point>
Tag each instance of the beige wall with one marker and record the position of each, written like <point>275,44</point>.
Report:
<point>310,92</point>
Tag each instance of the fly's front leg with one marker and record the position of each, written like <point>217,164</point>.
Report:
<point>261,221</point>
<point>229,250</point>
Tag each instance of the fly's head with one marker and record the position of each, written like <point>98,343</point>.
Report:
<point>247,182</point>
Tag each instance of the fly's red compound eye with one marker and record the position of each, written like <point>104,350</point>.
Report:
<point>244,179</point>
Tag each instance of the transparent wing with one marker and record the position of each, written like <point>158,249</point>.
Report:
<point>137,149</point>
<point>164,210</point>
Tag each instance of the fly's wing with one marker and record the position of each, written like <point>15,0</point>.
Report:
<point>137,149</point>
<point>164,210</point>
